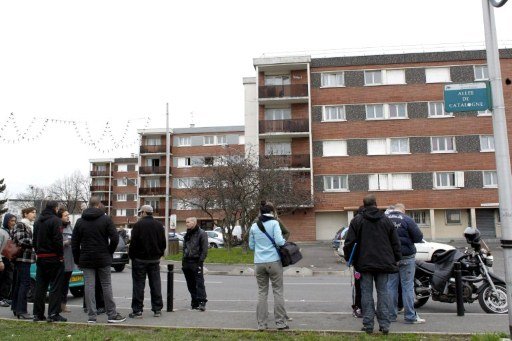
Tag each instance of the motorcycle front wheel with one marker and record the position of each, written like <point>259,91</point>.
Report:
<point>493,302</point>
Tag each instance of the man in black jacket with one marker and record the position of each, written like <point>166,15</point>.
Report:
<point>376,255</point>
<point>49,250</point>
<point>195,249</point>
<point>146,248</point>
<point>93,243</point>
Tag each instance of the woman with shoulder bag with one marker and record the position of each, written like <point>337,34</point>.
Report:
<point>22,236</point>
<point>6,275</point>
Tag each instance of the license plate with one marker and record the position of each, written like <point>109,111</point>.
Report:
<point>78,278</point>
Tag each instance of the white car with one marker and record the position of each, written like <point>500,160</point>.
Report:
<point>215,234</point>
<point>424,250</point>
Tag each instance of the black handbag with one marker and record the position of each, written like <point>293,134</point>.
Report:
<point>289,252</point>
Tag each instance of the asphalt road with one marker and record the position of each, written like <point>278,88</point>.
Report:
<point>314,303</point>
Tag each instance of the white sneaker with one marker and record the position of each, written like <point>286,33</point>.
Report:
<point>417,321</point>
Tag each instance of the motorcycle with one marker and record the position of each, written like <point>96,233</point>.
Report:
<point>437,280</point>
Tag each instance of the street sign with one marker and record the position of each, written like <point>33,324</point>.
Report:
<point>467,97</point>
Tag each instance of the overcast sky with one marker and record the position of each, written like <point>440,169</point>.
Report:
<point>93,62</point>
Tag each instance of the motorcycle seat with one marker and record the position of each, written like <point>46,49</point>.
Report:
<point>428,267</point>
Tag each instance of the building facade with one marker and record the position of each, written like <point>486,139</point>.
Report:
<point>115,181</point>
<point>377,124</point>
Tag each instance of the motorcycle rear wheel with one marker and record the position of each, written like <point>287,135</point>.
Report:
<point>493,303</point>
<point>419,302</point>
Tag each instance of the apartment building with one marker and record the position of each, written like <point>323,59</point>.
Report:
<point>377,124</point>
<point>114,181</point>
<point>191,149</point>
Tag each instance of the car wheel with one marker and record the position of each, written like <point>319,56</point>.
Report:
<point>119,268</point>
<point>77,291</point>
<point>213,245</point>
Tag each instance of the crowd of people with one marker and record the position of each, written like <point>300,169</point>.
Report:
<point>379,245</point>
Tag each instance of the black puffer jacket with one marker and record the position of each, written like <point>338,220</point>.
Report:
<point>195,245</point>
<point>94,239</point>
<point>378,246</point>
<point>148,239</point>
<point>47,237</point>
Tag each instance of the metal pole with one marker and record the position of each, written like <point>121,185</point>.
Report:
<point>167,171</point>
<point>501,145</point>
<point>170,286</point>
<point>458,289</point>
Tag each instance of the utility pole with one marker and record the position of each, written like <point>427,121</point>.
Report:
<point>167,171</point>
<point>500,142</point>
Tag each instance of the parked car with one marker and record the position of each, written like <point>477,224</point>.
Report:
<point>76,283</point>
<point>215,242</point>
<point>120,257</point>
<point>215,234</point>
<point>426,250</point>
<point>177,236</point>
<point>337,238</point>
<point>237,231</point>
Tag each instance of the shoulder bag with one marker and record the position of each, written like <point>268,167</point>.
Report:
<point>11,250</point>
<point>289,252</point>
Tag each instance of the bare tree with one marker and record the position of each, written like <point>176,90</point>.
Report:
<point>2,201</point>
<point>71,191</point>
<point>230,191</point>
<point>33,196</point>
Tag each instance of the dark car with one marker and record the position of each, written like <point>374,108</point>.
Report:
<point>120,257</point>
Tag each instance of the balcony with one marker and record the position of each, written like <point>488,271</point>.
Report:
<point>101,173</point>
<point>152,149</point>
<point>285,161</point>
<point>152,191</point>
<point>291,93</point>
<point>152,170</point>
<point>102,188</point>
<point>296,127</point>
<point>106,203</point>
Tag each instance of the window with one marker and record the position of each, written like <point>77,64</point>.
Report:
<point>99,182</point>
<point>481,72</point>
<point>122,168</point>
<point>334,148</point>
<point>184,162</point>
<point>121,197</point>
<point>277,80</point>
<point>438,75</point>
<point>208,140</point>
<point>420,217</point>
<point>452,216</point>
<point>221,139</point>
<point>278,148</point>
<point>272,114</point>
<point>184,141</point>
<point>333,113</point>
<point>386,111</point>
<point>379,77</point>
<point>153,141</point>
<point>443,180</point>
<point>186,182</point>
<point>153,183</point>
<point>153,162</point>
<point>122,182</point>
<point>182,205</point>
<point>333,79</point>
<point>208,161</point>
<point>490,179</point>
<point>436,109</point>
<point>442,144</point>
<point>374,111</point>
<point>153,203</point>
<point>335,183</point>
<point>388,146</point>
<point>388,182</point>
<point>241,139</point>
<point>486,143</point>
<point>101,168</point>
<point>121,212</point>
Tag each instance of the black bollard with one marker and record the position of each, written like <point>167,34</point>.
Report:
<point>170,286</point>
<point>458,289</point>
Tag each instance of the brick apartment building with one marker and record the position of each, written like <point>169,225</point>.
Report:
<point>191,149</point>
<point>114,181</point>
<point>377,124</point>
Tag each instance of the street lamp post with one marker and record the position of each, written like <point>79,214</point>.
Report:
<point>500,141</point>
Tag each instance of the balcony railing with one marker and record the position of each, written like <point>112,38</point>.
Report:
<point>152,191</point>
<point>102,188</point>
<point>101,173</point>
<point>152,170</point>
<point>153,149</point>
<point>284,126</point>
<point>277,91</point>
<point>291,161</point>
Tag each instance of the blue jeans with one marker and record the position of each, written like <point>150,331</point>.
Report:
<point>405,275</point>
<point>368,305</point>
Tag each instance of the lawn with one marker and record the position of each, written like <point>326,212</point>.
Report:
<point>21,330</point>
<point>222,255</point>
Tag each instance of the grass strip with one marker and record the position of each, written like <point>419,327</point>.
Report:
<point>223,256</point>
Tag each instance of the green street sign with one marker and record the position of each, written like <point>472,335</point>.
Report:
<point>467,97</point>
